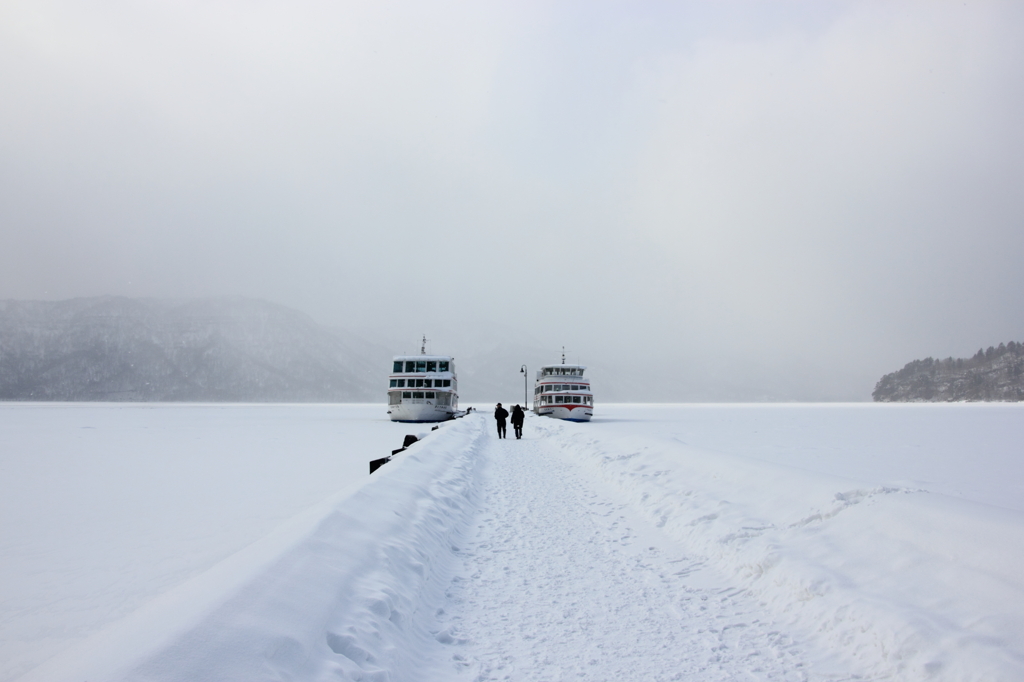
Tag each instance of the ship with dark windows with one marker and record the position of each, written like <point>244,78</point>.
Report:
<point>422,388</point>
<point>562,392</point>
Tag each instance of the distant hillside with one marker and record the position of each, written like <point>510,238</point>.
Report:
<point>995,374</point>
<point>231,349</point>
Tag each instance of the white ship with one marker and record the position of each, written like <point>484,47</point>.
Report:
<point>562,392</point>
<point>422,388</point>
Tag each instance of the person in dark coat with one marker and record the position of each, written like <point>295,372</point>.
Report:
<point>517,421</point>
<point>500,413</point>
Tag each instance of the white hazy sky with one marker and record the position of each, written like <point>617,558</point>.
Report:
<point>789,198</point>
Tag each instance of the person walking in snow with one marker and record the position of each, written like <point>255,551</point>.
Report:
<point>500,413</point>
<point>517,421</point>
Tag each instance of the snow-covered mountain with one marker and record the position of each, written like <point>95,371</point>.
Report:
<point>996,374</point>
<point>224,349</point>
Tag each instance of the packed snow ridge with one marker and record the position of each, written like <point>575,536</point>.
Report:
<point>594,551</point>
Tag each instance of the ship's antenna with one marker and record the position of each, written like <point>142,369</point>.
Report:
<point>563,355</point>
<point>423,348</point>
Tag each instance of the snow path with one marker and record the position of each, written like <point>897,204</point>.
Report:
<point>610,550</point>
<point>559,580</point>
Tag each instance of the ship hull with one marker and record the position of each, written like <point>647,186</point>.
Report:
<point>420,411</point>
<point>572,413</point>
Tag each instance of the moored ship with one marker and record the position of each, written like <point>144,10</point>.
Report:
<point>561,392</point>
<point>422,388</point>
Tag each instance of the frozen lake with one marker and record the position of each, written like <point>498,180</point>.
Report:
<point>110,512</point>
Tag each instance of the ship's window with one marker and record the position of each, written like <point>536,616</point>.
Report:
<point>421,365</point>
<point>416,382</point>
<point>447,383</point>
<point>401,383</point>
<point>406,394</point>
<point>579,372</point>
<point>429,394</point>
<point>558,399</point>
<point>394,383</point>
<point>428,383</point>
<point>442,366</point>
<point>431,365</point>
<point>410,366</point>
<point>417,394</point>
<point>576,399</point>
<point>398,366</point>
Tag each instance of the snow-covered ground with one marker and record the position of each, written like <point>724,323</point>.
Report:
<point>701,542</point>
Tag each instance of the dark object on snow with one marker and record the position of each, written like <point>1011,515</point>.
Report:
<point>500,413</point>
<point>517,421</point>
<point>409,440</point>
<point>435,428</point>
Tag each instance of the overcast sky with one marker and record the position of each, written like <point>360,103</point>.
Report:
<point>792,198</point>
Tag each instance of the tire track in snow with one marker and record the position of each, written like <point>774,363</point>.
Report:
<point>559,580</point>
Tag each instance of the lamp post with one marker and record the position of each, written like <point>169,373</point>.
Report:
<point>526,399</point>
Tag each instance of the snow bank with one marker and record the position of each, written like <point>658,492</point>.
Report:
<point>338,592</point>
<point>104,507</point>
<point>902,583</point>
